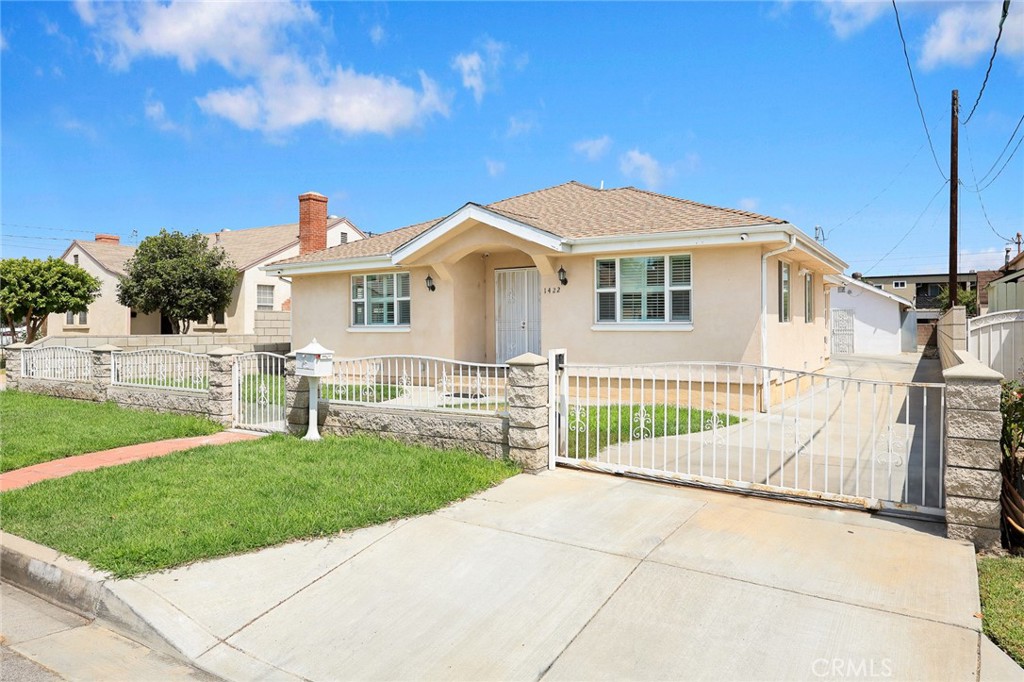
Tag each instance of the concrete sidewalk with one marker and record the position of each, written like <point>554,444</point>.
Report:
<point>572,575</point>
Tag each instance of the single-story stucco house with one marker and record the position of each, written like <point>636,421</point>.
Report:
<point>613,275</point>
<point>867,320</point>
<point>248,249</point>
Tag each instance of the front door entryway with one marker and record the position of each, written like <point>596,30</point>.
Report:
<point>516,312</point>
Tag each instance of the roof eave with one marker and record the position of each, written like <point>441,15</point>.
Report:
<point>324,267</point>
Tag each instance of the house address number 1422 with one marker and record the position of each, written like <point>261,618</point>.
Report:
<point>552,290</point>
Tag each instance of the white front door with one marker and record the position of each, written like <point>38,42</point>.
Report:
<point>516,312</point>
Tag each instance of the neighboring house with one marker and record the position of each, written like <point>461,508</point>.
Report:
<point>615,276</point>
<point>921,290</point>
<point>249,249</point>
<point>867,320</point>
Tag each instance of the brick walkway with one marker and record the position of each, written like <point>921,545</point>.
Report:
<point>58,468</point>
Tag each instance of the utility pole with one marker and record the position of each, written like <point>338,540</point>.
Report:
<point>954,186</point>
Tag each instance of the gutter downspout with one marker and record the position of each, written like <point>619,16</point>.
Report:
<point>764,315</point>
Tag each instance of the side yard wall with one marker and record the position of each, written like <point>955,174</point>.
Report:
<point>277,342</point>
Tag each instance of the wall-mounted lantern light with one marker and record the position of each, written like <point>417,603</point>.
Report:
<point>430,283</point>
<point>561,276</point>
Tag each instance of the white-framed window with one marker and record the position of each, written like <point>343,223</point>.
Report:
<point>83,318</point>
<point>809,297</point>
<point>785,293</point>
<point>76,259</point>
<point>381,299</point>
<point>899,284</point>
<point>264,297</point>
<point>644,289</point>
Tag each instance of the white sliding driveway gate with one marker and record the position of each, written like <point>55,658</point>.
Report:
<point>259,393</point>
<point>872,444</point>
<point>997,340</point>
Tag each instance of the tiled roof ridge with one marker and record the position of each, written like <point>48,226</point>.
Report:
<point>690,202</point>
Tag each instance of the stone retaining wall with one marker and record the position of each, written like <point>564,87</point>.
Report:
<point>160,400</point>
<point>201,343</point>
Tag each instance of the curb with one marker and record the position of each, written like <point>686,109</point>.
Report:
<point>74,585</point>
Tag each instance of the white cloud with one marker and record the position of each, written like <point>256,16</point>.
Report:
<point>848,17</point>
<point>635,163</point>
<point>988,259</point>
<point>4,45</point>
<point>963,34</point>
<point>278,88</point>
<point>594,149</point>
<point>378,35</point>
<point>494,168</point>
<point>749,203</point>
<point>157,113</point>
<point>479,69</point>
<point>520,125</point>
<point>77,126</point>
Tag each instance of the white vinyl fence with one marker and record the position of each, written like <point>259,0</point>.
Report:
<point>869,443</point>
<point>997,340</point>
<point>58,363</point>
<point>161,368</point>
<point>418,382</point>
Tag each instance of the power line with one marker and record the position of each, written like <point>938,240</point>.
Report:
<point>907,233</point>
<point>995,46</point>
<point>917,97</point>
<point>970,155</point>
<point>996,177</point>
<point>60,229</point>
<point>1005,147</point>
<point>875,198</point>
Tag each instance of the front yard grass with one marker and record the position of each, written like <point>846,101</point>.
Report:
<point>591,429</point>
<point>39,428</point>
<point>1001,582</point>
<point>214,501</point>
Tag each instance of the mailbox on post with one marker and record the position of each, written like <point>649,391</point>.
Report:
<point>314,361</point>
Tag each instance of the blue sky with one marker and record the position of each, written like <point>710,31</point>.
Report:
<point>126,118</point>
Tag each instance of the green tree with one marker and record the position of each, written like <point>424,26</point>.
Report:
<point>180,276</point>
<point>968,299</point>
<point>31,289</point>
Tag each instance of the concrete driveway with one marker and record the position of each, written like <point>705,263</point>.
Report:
<point>573,575</point>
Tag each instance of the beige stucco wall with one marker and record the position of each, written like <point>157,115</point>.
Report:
<point>797,344</point>
<point>106,316</point>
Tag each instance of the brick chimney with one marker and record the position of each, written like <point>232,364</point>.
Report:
<point>108,239</point>
<point>312,222</point>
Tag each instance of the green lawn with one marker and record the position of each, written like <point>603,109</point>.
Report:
<point>213,501</point>
<point>595,428</point>
<point>1001,581</point>
<point>38,428</point>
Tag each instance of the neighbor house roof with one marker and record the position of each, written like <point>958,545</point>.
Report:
<point>843,280</point>
<point>245,247</point>
<point>571,211</point>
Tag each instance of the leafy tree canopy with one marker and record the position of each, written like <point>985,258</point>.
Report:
<point>31,289</point>
<point>968,299</point>
<point>180,276</point>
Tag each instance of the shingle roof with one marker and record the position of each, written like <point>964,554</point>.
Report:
<point>244,247</point>
<point>572,211</point>
<point>110,256</point>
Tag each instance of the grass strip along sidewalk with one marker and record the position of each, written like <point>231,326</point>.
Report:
<point>214,501</point>
<point>1001,582</point>
<point>39,428</point>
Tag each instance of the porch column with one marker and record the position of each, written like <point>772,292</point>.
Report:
<point>527,396</point>
<point>220,406</point>
<point>973,453</point>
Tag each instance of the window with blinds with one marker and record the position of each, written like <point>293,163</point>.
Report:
<point>381,299</point>
<point>808,298</point>
<point>644,289</point>
<point>785,294</point>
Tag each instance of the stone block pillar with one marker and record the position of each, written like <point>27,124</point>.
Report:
<point>13,355</point>
<point>220,405</point>
<point>528,412</point>
<point>973,453</point>
<point>102,369</point>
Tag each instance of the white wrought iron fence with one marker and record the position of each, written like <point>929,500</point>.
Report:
<point>870,443</point>
<point>259,392</point>
<point>418,382</point>
<point>161,368</point>
<point>60,363</point>
<point>997,340</point>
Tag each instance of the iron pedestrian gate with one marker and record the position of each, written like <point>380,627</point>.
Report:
<point>259,394</point>
<point>843,325</point>
<point>870,444</point>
